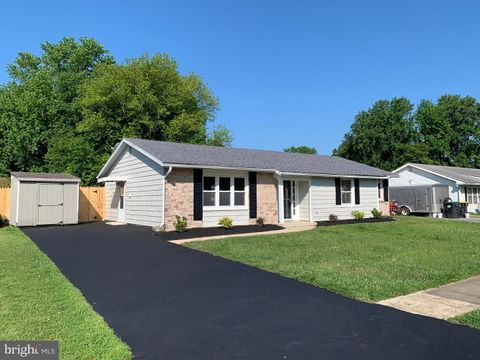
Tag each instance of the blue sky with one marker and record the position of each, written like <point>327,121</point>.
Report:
<point>285,72</point>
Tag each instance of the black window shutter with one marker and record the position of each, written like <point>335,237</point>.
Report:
<point>197,194</point>
<point>385,190</point>
<point>356,183</point>
<point>338,192</point>
<point>466,194</point>
<point>252,194</point>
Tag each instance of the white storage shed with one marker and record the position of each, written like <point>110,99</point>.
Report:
<point>43,199</point>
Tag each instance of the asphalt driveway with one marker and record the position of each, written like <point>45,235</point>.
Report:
<point>170,302</point>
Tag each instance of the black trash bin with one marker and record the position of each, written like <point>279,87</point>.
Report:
<point>448,208</point>
<point>454,209</point>
<point>464,207</point>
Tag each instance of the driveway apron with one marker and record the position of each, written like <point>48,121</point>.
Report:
<point>170,302</point>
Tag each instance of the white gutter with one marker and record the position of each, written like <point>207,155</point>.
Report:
<point>277,172</point>
<point>163,193</point>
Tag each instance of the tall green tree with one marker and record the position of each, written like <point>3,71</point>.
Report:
<point>303,149</point>
<point>65,109</point>
<point>39,101</point>
<point>381,135</point>
<point>144,98</point>
<point>450,129</point>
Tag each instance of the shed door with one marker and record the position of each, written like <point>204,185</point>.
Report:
<point>50,204</point>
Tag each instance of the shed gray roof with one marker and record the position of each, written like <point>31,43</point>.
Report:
<point>466,176</point>
<point>215,156</point>
<point>46,177</point>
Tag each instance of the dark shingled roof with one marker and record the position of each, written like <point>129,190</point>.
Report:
<point>203,155</point>
<point>467,176</point>
<point>33,176</point>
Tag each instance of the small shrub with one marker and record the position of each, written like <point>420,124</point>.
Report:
<point>376,213</point>
<point>181,223</point>
<point>260,221</point>
<point>358,215</point>
<point>226,222</point>
<point>332,218</point>
<point>3,221</point>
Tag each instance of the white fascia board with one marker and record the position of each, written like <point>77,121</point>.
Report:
<point>336,176</point>
<point>216,167</point>
<point>276,172</point>
<point>123,144</point>
<point>146,153</point>
<point>428,171</point>
<point>111,159</point>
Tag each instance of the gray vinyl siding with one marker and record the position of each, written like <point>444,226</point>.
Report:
<point>143,200</point>
<point>27,204</point>
<point>111,202</point>
<point>13,200</point>
<point>303,198</point>
<point>70,203</point>
<point>239,216</point>
<point>323,199</point>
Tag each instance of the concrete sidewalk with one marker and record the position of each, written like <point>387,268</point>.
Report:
<point>443,302</point>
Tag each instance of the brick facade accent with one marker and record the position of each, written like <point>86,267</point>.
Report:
<point>179,198</point>
<point>267,198</point>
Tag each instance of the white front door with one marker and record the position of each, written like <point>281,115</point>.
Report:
<point>290,195</point>
<point>121,201</point>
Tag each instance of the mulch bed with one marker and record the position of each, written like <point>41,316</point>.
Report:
<point>352,221</point>
<point>215,231</point>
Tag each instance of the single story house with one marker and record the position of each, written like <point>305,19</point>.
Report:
<point>149,182</point>
<point>463,183</point>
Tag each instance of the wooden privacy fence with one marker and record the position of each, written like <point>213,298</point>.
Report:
<point>5,201</point>
<point>91,206</point>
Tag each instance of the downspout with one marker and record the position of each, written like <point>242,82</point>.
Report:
<point>170,168</point>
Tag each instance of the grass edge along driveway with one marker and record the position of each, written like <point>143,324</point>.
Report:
<point>471,319</point>
<point>369,262</point>
<point>38,303</point>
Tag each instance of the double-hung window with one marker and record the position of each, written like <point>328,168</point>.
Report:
<point>224,191</point>
<point>239,191</point>
<point>346,190</point>
<point>209,192</point>
<point>473,195</point>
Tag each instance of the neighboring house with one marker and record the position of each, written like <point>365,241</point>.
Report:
<point>463,183</point>
<point>149,182</point>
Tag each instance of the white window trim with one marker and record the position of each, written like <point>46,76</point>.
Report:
<point>475,196</point>
<point>217,205</point>
<point>352,193</point>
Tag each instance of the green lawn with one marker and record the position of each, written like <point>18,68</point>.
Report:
<point>370,262</point>
<point>38,303</point>
<point>471,319</point>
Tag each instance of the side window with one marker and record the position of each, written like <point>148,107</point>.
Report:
<point>239,189</point>
<point>346,189</point>
<point>209,191</point>
<point>225,191</point>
